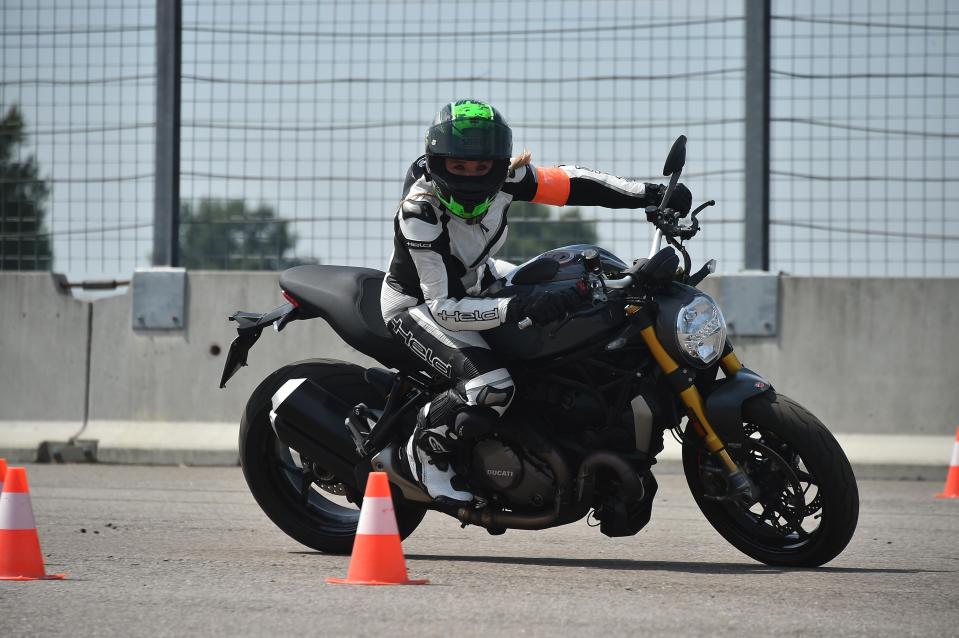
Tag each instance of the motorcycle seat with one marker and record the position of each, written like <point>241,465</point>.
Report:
<point>348,298</point>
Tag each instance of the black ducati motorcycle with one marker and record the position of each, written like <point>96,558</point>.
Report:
<point>595,394</point>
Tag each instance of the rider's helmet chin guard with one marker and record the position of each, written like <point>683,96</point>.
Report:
<point>468,130</point>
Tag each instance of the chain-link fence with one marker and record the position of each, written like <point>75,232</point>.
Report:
<point>316,111</point>
<point>76,135</point>
<point>299,119</point>
<point>864,122</point>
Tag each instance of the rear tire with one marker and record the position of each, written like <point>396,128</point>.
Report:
<point>782,430</point>
<point>283,487</point>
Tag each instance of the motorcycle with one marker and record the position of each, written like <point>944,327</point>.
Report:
<point>595,394</point>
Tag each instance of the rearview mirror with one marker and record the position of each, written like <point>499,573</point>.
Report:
<point>677,157</point>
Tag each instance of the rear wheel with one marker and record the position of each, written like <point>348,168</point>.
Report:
<point>302,498</point>
<point>808,505</point>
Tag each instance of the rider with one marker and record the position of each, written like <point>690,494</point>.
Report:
<point>451,222</point>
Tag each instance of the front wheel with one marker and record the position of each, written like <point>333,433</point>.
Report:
<point>302,498</point>
<point>808,503</point>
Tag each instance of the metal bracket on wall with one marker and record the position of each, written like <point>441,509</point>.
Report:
<point>159,298</point>
<point>750,303</point>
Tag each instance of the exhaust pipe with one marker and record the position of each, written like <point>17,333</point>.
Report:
<point>312,421</point>
<point>510,520</point>
<point>630,483</point>
<point>631,487</point>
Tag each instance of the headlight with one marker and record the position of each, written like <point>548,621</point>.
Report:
<point>701,330</point>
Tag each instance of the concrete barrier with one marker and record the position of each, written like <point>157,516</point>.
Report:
<point>873,358</point>
<point>43,353</point>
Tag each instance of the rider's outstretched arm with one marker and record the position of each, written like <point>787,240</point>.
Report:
<point>577,186</point>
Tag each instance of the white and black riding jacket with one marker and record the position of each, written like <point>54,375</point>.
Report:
<point>443,261</point>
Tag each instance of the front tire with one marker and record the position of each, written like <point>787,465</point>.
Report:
<point>297,495</point>
<point>809,500</point>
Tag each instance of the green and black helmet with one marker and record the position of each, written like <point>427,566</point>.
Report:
<point>468,130</point>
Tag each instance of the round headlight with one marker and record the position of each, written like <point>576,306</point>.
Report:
<point>701,330</point>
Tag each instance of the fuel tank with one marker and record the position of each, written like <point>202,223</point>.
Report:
<point>510,342</point>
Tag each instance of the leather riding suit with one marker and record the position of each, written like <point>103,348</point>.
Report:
<point>430,301</point>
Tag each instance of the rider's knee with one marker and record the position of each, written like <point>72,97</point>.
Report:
<point>493,390</point>
<point>496,398</point>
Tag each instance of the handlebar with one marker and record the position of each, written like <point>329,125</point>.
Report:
<point>667,222</point>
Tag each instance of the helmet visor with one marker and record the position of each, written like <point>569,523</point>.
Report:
<point>470,138</point>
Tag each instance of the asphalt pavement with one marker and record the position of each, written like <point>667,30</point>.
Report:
<point>174,551</point>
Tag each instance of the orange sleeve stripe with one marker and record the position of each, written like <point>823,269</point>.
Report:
<point>552,186</point>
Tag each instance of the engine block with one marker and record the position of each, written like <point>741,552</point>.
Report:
<point>500,467</point>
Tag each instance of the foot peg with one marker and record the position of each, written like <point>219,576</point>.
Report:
<point>359,426</point>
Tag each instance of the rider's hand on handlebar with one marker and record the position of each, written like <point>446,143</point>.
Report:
<point>543,309</point>
<point>681,200</point>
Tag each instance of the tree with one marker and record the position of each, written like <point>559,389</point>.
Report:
<point>224,234</point>
<point>533,231</point>
<point>24,242</point>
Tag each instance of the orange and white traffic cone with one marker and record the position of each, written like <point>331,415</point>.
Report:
<point>377,555</point>
<point>20,557</point>
<point>951,490</point>
<point>3,472</point>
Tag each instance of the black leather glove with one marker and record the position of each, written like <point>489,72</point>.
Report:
<point>543,309</point>
<point>516,309</point>
<point>681,200</point>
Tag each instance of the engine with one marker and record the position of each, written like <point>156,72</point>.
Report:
<point>516,479</point>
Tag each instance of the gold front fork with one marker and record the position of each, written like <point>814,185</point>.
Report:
<point>682,380</point>
<point>730,364</point>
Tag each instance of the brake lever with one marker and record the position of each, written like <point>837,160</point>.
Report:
<point>703,206</point>
<point>688,232</point>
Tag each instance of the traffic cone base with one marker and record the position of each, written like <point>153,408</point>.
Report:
<point>377,553</point>
<point>374,562</point>
<point>951,490</point>
<point>346,581</point>
<point>23,559</point>
<point>20,555</point>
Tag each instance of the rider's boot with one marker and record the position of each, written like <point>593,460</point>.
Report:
<point>430,452</point>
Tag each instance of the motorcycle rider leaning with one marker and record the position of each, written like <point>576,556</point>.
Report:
<point>451,222</point>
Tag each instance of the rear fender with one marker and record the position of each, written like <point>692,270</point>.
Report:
<point>724,406</point>
<point>249,327</point>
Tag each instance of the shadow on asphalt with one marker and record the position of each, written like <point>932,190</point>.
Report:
<point>654,565</point>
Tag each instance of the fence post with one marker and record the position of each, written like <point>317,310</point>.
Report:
<point>166,181</point>
<point>756,233</point>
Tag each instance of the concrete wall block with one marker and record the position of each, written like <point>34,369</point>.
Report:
<point>43,337</point>
<point>865,355</point>
<point>147,376</point>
